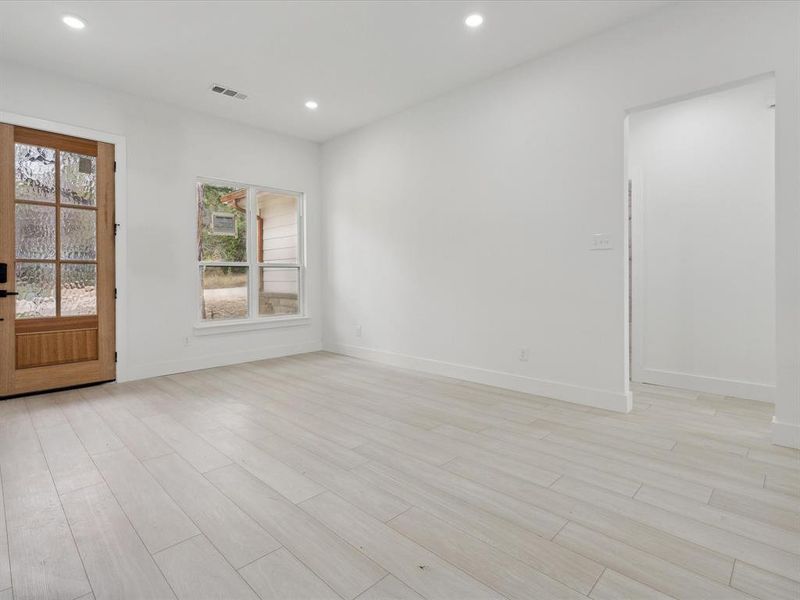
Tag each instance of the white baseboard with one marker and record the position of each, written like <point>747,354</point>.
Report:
<point>616,401</point>
<point>709,385</point>
<point>785,434</point>
<point>156,369</point>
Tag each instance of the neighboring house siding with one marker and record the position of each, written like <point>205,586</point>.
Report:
<point>279,244</point>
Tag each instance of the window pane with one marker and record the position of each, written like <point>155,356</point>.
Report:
<point>224,292</point>
<point>222,235</point>
<point>278,292</point>
<point>78,290</point>
<point>277,227</point>
<point>36,285</point>
<point>35,231</point>
<point>78,234</point>
<point>35,173</point>
<point>78,179</point>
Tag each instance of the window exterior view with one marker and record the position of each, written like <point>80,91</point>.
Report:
<point>249,244</point>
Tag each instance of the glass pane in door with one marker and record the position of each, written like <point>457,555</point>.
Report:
<point>78,179</point>
<point>36,286</point>
<point>78,234</point>
<point>48,236</point>
<point>78,290</point>
<point>35,173</point>
<point>35,231</point>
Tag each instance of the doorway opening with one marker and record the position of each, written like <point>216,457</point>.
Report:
<point>701,224</point>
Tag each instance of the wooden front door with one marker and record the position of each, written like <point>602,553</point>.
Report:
<point>56,261</point>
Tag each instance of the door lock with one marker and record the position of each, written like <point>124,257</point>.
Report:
<point>4,293</point>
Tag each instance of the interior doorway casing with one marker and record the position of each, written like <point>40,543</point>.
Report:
<point>120,209</point>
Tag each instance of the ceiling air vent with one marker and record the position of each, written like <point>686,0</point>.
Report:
<point>225,91</point>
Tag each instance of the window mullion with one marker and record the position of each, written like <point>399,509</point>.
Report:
<point>301,230</point>
<point>301,253</point>
<point>252,250</point>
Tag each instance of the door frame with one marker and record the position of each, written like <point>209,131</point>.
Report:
<point>120,216</point>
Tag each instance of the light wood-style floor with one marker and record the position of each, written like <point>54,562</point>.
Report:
<point>320,476</point>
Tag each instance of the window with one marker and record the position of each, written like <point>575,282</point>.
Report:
<point>250,253</point>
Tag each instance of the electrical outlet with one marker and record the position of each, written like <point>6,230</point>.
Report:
<point>358,331</point>
<point>601,241</point>
<point>186,341</point>
<point>524,354</point>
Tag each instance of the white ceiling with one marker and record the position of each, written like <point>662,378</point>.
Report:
<point>361,60</point>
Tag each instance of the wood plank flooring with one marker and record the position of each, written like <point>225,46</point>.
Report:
<point>320,477</point>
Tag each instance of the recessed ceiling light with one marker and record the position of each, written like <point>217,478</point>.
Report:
<point>312,105</point>
<point>474,20</point>
<point>73,22</point>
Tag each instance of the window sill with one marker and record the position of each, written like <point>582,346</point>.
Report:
<point>235,326</point>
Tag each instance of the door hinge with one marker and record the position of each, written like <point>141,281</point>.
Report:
<point>115,357</point>
<point>116,227</point>
<point>115,166</point>
<point>115,293</point>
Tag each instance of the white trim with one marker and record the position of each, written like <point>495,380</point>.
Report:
<point>638,277</point>
<point>161,367</point>
<point>237,325</point>
<point>120,216</point>
<point>605,399</point>
<point>749,390</point>
<point>626,260</point>
<point>253,272</point>
<point>785,434</point>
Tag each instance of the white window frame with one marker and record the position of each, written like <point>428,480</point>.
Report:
<point>254,320</point>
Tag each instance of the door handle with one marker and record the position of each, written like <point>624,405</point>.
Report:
<point>4,293</point>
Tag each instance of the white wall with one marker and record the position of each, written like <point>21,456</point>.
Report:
<point>167,148</point>
<point>457,231</point>
<point>703,174</point>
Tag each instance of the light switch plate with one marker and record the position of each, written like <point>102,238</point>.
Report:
<point>601,241</point>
